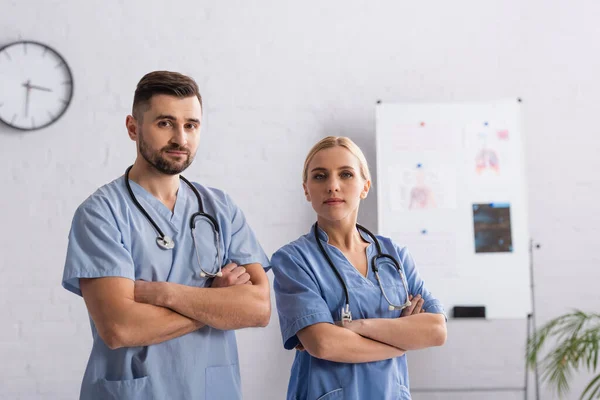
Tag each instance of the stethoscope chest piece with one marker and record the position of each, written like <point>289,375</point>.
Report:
<point>204,275</point>
<point>165,242</point>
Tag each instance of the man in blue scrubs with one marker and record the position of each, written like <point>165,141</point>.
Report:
<point>162,323</point>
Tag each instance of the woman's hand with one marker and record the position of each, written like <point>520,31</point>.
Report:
<point>355,326</point>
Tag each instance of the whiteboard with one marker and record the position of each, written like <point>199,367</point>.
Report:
<point>451,187</point>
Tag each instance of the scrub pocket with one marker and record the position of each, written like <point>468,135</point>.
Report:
<point>337,394</point>
<point>223,382</point>
<point>130,389</point>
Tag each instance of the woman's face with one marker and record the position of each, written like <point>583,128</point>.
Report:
<point>334,184</point>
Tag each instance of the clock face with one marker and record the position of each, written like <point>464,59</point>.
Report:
<point>36,85</point>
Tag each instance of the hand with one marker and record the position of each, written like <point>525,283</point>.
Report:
<point>233,274</point>
<point>416,306</point>
<point>149,292</point>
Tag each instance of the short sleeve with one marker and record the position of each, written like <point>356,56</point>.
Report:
<point>416,285</point>
<point>298,296</point>
<point>244,247</point>
<point>95,247</point>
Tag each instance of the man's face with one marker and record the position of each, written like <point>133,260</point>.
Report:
<point>169,133</point>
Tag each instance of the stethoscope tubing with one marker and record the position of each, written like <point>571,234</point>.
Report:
<point>200,213</point>
<point>346,314</point>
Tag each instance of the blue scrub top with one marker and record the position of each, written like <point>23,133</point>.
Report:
<point>111,237</point>
<point>308,292</point>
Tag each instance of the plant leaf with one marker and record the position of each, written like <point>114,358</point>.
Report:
<point>590,386</point>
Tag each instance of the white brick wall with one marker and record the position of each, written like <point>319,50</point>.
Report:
<point>276,76</point>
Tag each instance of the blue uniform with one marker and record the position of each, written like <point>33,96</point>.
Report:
<point>111,237</point>
<point>308,292</point>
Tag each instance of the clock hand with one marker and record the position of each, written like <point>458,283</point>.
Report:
<point>40,88</point>
<point>27,89</point>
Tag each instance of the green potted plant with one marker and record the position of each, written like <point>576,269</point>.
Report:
<point>573,342</point>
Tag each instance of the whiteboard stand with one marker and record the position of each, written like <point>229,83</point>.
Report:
<point>531,325</point>
<point>483,388</point>
<point>530,331</point>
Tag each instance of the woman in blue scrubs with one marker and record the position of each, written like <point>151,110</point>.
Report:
<point>342,357</point>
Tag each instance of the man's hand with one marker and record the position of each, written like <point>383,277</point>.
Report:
<point>150,292</point>
<point>416,306</point>
<point>232,275</point>
<point>157,293</point>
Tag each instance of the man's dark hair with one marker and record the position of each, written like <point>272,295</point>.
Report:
<point>162,82</point>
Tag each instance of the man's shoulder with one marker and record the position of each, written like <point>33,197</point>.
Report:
<point>105,197</point>
<point>210,192</point>
<point>218,198</point>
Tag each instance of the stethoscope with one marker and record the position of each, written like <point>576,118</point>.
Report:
<point>346,314</point>
<point>167,243</point>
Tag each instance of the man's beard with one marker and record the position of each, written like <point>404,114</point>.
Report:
<point>162,164</point>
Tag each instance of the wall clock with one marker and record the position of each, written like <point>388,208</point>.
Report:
<point>36,85</point>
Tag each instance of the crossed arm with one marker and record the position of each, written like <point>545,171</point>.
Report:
<point>413,332</point>
<point>128,313</point>
<point>375,339</point>
<point>226,305</point>
<point>334,343</point>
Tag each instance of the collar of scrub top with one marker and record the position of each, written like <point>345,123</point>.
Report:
<point>166,242</point>
<point>345,313</point>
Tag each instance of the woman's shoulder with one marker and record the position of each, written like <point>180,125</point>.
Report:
<point>295,248</point>
<point>389,245</point>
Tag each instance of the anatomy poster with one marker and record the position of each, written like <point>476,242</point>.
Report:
<point>422,185</point>
<point>489,150</point>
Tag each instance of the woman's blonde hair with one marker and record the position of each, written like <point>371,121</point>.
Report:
<point>333,141</point>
